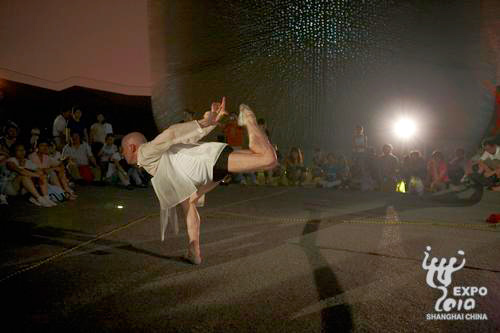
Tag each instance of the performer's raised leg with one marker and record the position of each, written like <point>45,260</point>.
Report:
<point>260,155</point>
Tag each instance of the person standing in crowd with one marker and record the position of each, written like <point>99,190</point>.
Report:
<point>437,172</point>
<point>35,135</point>
<point>98,132</point>
<point>80,156</point>
<point>23,174</point>
<point>359,147</point>
<point>388,169</point>
<point>100,129</point>
<point>9,138</point>
<point>359,140</point>
<point>59,127</point>
<point>52,168</point>
<point>77,125</point>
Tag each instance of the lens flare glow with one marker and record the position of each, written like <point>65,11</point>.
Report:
<point>405,128</point>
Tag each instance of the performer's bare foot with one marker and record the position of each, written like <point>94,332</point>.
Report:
<point>193,254</point>
<point>246,116</point>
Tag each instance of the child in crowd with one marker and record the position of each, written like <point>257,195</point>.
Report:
<point>105,153</point>
<point>335,171</point>
<point>116,171</point>
<point>22,175</point>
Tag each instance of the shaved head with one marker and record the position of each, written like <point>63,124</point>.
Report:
<point>130,144</point>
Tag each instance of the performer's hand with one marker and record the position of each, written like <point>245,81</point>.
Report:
<point>212,117</point>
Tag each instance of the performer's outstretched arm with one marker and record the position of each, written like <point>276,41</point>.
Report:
<point>190,132</point>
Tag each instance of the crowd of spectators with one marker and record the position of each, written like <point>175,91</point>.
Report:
<point>366,170</point>
<point>46,167</point>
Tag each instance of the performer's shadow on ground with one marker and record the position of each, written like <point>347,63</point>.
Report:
<point>336,318</point>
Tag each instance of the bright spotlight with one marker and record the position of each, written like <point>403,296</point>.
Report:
<point>405,128</point>
<point>119,206</point>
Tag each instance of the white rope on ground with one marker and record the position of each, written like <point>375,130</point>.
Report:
<point>120,228</point>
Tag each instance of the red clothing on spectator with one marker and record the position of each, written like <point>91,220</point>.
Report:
<point>438,171</point>
<point>86,173</point>
<point>234,135</point>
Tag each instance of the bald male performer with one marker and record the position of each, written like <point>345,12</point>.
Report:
<point>184,169</point>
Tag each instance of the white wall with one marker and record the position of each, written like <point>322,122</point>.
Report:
<point>56,44</point>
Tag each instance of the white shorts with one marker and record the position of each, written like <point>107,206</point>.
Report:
<point>196,161</point>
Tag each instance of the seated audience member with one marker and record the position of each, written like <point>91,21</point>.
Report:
<point>77,125</point>
<point>416,172</point>
<point>388,169</point>
<point>80,156</point>
<point>52,168</point>
<point>457,166</point>
<point>489,162</point>
<point>488,165</point>
<point>23,175</point>
<point>335,171</point>
<point>371,167</point>
<point>35,135</point>
<point>294,166</point>
<point>318,163</point>
<point>116,172</point>
<point>59,127</point>
<point>10,133</point>
<point>107,150</point>
<point>437,172</point>
<point>3,176</point>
